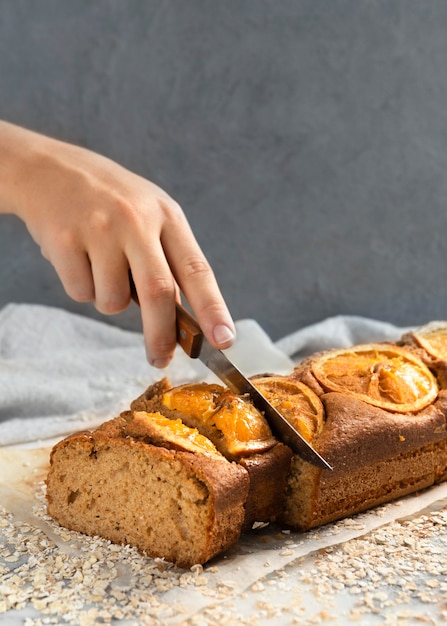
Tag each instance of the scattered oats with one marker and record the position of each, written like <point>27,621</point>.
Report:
<point>355,525</point>
<point>83,581</point>
<point>356,615</point>
<point>381,596</point>
<point>12,559</point>
<point>409,541</point>
<point>231,584</point>
<point>257,525</point>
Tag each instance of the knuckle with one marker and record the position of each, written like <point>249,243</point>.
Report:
<point>112,304</point>
<point>79,290</point>
<point>214,309</point>
<point>63,253</point>
<point>100,222</point>
<point>78,294</point>
<point>114,211</point>
<point>196,267</point>
<point>159,289</point>
<point>160,348</point>
<point>45,251</point>
<point>58,245</point>
<point>171,209</point>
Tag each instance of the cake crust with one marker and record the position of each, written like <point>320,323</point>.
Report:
<point>377,455</point>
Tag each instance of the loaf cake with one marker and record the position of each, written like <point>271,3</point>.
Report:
<point>187,469</point>
<point>384,433</point>
<point>149,479</point>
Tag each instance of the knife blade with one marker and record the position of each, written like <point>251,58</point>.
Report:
<point>191,338</point>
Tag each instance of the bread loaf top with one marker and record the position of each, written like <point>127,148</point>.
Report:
<point>380,401</point>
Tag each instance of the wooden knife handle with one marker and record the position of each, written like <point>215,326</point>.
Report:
<point>189,334</point>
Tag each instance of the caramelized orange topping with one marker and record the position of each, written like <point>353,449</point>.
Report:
<point>382,375</point>
<point>244,427</point>
<point>233,423</point>
<point>433,338</point>
<point>172,431</point>
<point>195,399</point>
<point>301,407</point>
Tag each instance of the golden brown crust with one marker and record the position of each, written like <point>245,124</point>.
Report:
<point>357,433</point>
<point>368,486</point>
<point>377,454</point>
<point>376,457</point>
<point>156,390</point>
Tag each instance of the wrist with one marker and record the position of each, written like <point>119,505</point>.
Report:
<point>20,150</point>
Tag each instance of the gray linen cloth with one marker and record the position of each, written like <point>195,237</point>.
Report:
<point>61,372</point>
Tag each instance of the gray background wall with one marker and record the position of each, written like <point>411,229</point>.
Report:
<point>306,141</point>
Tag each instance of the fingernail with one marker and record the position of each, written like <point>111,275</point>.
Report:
<point>160,363</point>
<point>222,334</point>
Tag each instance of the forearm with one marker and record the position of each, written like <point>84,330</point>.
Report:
<point>19,152</point>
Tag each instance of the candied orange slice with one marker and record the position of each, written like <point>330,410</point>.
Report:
<point>243,427</point>
<point>383,375</point>
<point>197,399</point>
<point>433,338</point>
<point>163,430</point>
<point>301,407</point>
<point>234,425</point>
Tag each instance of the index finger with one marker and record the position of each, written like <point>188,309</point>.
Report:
<point>197,281</point>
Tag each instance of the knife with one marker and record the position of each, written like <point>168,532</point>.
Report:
<point>194,343</point>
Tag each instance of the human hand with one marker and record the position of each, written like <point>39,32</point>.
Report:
<point>95,221</point>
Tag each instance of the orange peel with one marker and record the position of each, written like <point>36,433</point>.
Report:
<point>433,338</point>
<point>301,407</point>
<point>382,375</point>
<point>196,399</point>
<point>243,426</point>
<point>158,427</point>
